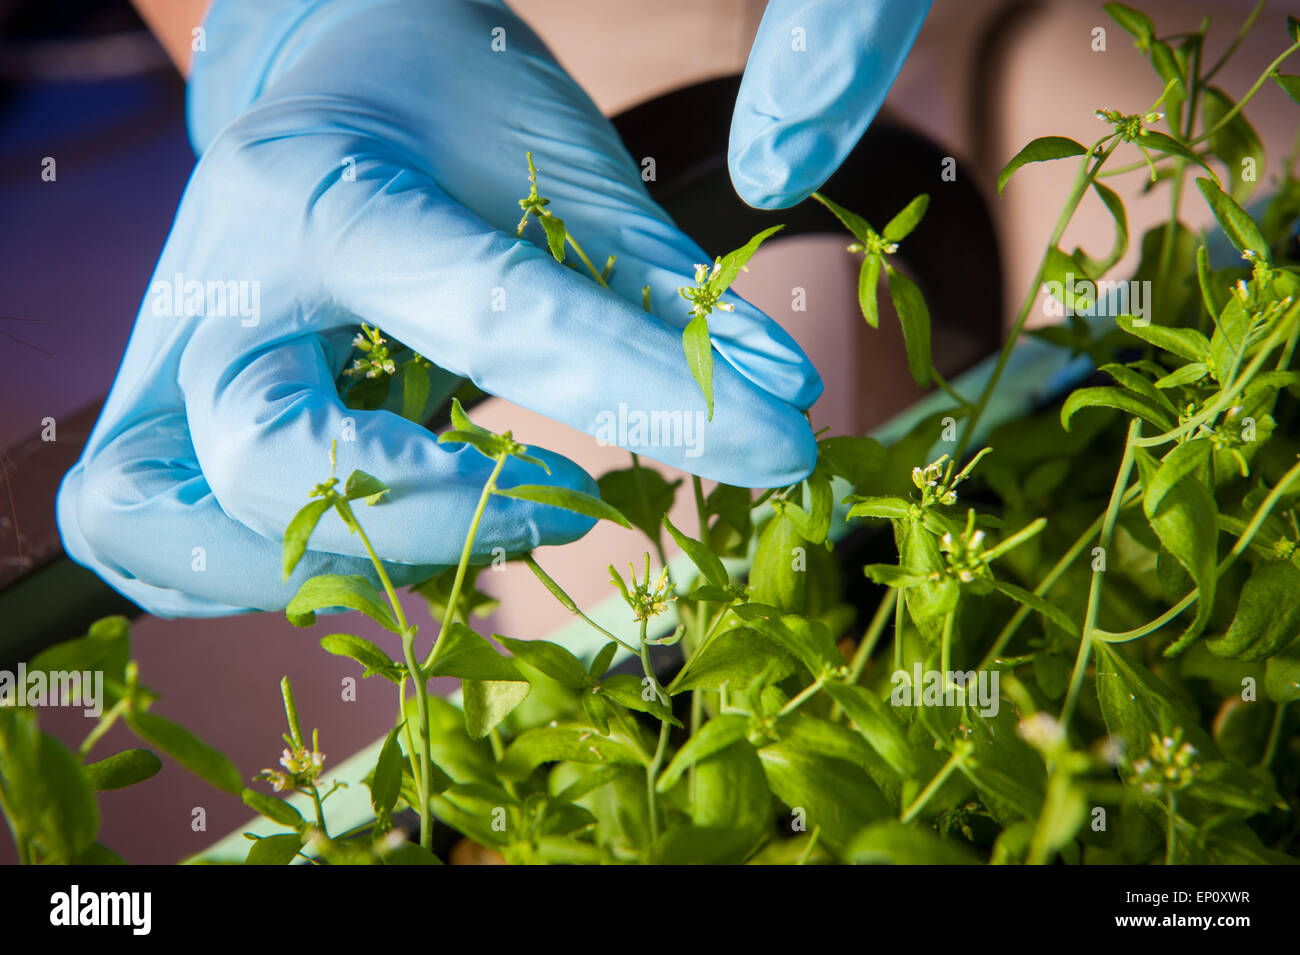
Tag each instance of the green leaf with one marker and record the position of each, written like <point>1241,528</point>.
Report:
<point>808,641</point>
<point>1205,278</point>
<point>700,845</point>
<point>1154,139</point>
<point>600,662</point>
<point>1290,84</point>
<point>879,726</point>
<point>123,769</point>
<point>361,485</point>
<point>1044,149</point>
<point>1115,206</point>
<point>299,532</point>
<point>642,495</point>
<point>914,316</point>
<point>698,348</point>
<point>1185,342</point>
<point>460,652</point>
<point>386,780</point>
<point>630,691</point>
<point>375,660</point>
<point>713,737</point>
<point>277,810</point>
<point>734,658</point>
<point>773,577</point>
<point>708,563</point>
<point>899,227</point>
<point>187,749</point>
<point>1187,375</point>
<point>1268,614</point>
<point>1237,143</point>
<point>1124,401</point>
<point>550,658</point>
<point>106,646</point>
<point>884,508</point>
<point>858,226</point>
<point>415,391</point>
<point>814,524</point>
<point>1134,21</point>
<point>834,794</point>
<point>927,603</point>
<point>487,445</point>
<point>1135,704</point>
<point>1166,64</point>
<point>868,288</point>
<point>1184,460</point>
<point>274,850</point>
<point>1282,675</point>
<point>731,792</point>
<point>1139,384</point>
<point>409,853</point>
<point>1037,603</point>
<point>488,702</point>
<point>856,459</point>
<point>555,234</point>
<point>575,742</point>
<point>890,842</point>
<point>327,591</point>
<point>1239,227</point>
<point>1184,516</point>
<point>733,263</point>
<point>69,814</point>
<point>566,498</point>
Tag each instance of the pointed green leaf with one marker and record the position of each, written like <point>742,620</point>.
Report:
<point>299,532</point>
<point>488,702</point>
<point>277,810</point>
<point>386,780</point>
<point>566,498</point>
<point>1124,401</point>
<point>857,226</point>
<point>550,658</point>
<point>370,656</point>
<point>733,263</point>
<point>328,591</point>
<point>555,234</point>
<point>698,348</point>
<point>914,316</point>
<point>280,849</point>
<point>1237,225</point>
<point>1044,149</point>
<point>187,749</point>
<point>899,227</point>
<point>708,563</point>
<point>715,735</point>
<point>460,652</point>
<point>123,769</point>
<point>363,485</point>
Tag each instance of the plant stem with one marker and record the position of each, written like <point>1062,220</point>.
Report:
<point>898,630</point>
<point>805,694</point>
<point>945,650</point>
<point>958,754</point>
<point>1083,179</point>
<point>102,727</point>
<point>1171,837</point>
<point>1094,587</point>
<point>1274,734</point>
<point>453,600</point>
<point>656,762</point>
<point>808,849</point>
<point>869,639</point>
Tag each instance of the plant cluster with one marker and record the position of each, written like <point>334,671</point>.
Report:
<point>1129,704</point>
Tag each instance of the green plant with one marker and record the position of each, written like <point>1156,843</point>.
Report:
<point>1129,705</point>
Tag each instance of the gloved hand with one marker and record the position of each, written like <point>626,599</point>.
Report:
<point>817,73</point>
<point>362,160</point>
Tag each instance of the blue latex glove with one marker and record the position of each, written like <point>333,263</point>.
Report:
<point>362,160</point>
<point>817,74</point>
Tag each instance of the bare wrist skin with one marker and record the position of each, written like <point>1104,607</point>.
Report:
<point>173,22</point>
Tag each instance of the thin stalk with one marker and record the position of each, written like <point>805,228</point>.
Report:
<point>102,727</point>
<point>1274,735</point>
<point>453,600</point>
<point>875,629</point>
<point>1083,179</point>
<point>1094,587</point>
<point>1239,548</point>
<point>940,778</point>
<point>945,651</point>
<point>1171,835</point>
<point>1022,611</point>
<point>805,694</point>
<point>808,849</point>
